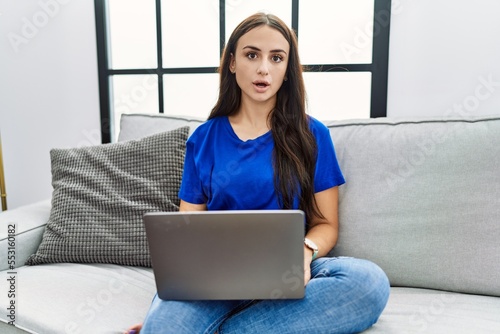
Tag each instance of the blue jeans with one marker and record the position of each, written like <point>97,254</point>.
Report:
<point>344,295</point>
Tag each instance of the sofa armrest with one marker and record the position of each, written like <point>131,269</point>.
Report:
<point>21,231</point>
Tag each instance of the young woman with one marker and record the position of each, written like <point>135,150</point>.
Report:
<point>259,150</point>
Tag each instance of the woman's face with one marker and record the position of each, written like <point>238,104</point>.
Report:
<point>259,63</point>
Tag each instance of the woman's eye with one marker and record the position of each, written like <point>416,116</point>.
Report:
<point>251,55</point>
<point>277,58</point>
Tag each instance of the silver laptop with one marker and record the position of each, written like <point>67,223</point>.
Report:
<point>227,254</point>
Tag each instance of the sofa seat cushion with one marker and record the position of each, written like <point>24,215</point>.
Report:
<point>107,298</point>
<point>80,298</point>
<point>411,310</point>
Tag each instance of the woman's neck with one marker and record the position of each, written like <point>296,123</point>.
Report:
<point>251,120</point>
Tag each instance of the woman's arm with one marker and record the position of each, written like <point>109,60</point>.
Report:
<point>323,231</point>
<point>186,206</point>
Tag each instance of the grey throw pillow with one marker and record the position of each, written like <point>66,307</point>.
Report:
<point>101,193</point>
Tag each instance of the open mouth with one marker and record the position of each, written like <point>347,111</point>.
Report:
<point>261,84</point>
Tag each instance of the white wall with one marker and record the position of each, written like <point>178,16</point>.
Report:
<point>441,54</point>
<point>48,89</point>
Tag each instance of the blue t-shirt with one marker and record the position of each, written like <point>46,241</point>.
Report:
<point>227,173</point>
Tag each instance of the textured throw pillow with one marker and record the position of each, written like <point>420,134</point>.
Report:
<point>101,193</point>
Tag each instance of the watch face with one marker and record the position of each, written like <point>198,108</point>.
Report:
<point>311,245</point>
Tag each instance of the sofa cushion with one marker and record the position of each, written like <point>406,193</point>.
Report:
<point>135,126</point>
<point>29,223</point>
<point>79,298</point>
<point>105,298</point>
<point>412,310</point>
<point>101,193</point>
<point>422,200</point>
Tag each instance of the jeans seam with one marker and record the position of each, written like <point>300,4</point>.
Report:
<point>217,324</point>
<point>320,263</point>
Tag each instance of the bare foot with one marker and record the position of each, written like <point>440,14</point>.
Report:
<point>135,329</point>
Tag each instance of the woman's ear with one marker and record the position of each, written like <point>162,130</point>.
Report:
<point>232,65</point>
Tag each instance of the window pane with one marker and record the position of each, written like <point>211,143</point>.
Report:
<point>190,94</point>
<point>132,94</point>
<point>336,31</point>
<point>238,10</point>
<point>132,33</point>
<point>193,42</point>
<point>338,95</point>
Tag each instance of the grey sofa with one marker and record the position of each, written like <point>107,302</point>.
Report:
<point>422,200</point>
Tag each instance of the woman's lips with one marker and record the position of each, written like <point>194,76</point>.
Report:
<point>261,86</point>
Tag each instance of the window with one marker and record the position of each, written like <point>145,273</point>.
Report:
<point>155,55</point>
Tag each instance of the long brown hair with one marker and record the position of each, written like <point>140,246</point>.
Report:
<point>295,146</point>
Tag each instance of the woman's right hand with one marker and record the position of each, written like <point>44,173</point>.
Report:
<point>135,329</point>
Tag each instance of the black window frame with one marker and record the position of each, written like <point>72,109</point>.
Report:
<point>378,68</point>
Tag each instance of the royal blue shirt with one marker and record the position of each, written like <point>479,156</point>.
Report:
<point>227,173</point>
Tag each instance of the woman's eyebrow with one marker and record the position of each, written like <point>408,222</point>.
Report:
<point>257,49</point>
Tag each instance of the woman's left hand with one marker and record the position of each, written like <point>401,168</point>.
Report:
<point>307,265</point>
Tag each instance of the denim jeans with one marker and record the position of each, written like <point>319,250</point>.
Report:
<point>344,295</point>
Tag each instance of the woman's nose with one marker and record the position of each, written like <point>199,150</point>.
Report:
<point>263,68</point>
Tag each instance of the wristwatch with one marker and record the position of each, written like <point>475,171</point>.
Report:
<point>312,246</point>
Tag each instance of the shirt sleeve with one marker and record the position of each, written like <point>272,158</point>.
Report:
<point>191,189</point>
<point>328,173</point>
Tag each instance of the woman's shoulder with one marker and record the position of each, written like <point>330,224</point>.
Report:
<point>317,126</point>
<point>207,128</point>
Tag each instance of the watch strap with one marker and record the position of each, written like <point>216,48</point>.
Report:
<point>312,246</point>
